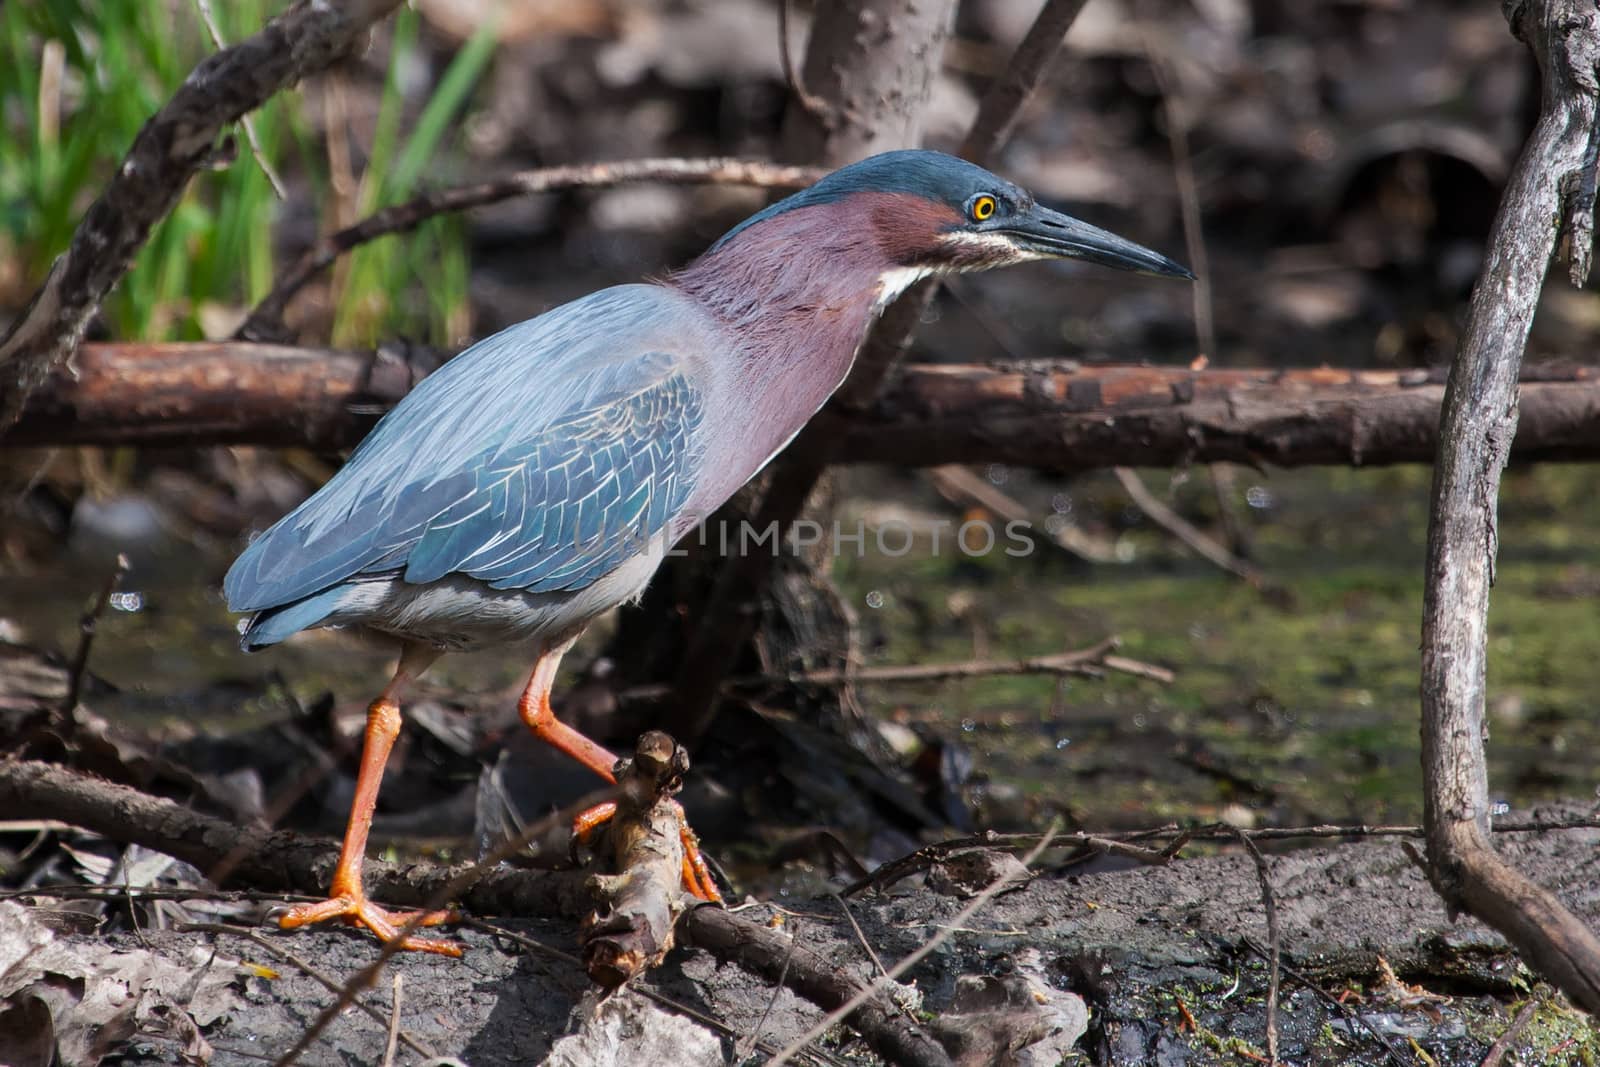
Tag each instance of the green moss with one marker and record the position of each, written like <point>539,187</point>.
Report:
<point>1312,707</point>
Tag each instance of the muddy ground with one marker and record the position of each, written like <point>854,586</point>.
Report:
<point>1161,955</point>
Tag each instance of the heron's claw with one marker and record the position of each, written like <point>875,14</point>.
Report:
<point>357,910</point>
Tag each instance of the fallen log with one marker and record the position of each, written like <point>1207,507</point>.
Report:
<point>1048,414</point>
<point>284,861</point>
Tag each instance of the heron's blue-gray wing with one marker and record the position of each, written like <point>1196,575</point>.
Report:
<point>535,474</point>
<point>560,510</point>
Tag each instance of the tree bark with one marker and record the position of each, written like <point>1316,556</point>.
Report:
<point>177,142</point>
<point>869,68</point>
<point>1552,180</point>
<point>1055,415</point>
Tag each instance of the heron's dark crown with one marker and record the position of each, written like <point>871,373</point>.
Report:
<point>933,176</point>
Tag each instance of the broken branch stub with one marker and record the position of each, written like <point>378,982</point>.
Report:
<point>636,909</point>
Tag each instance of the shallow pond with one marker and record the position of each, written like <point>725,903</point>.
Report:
<point>1305,710</point>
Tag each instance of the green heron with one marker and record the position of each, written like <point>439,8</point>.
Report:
<point>537,480</point>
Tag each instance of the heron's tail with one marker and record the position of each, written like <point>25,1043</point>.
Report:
<point>271,625</point>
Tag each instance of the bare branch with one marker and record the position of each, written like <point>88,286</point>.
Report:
<point>265,322</point>
<point>957,921</point>
<point>1478,423</point>
<point>177,141</point>
<point>204,7</point>
<point>1002,105</point>
<point>1188,533</point>
<point>1274,943</point>
<point>1091,662</point>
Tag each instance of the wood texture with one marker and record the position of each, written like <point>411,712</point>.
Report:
<point>1478,423</point>
<point>1053,415</point>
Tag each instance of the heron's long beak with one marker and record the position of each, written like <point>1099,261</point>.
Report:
<point>1044,232</point>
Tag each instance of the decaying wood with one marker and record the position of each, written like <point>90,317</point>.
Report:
<point>302,865</point>
<point>265,321</point>
<point>1056,415</point>
<point>1062,416</point>
<point>226,392</point>
<point>637,908</point>
<point>273,860</point>
<point>172,146</point>
<point>777,958</point>
<point>1552,180</point>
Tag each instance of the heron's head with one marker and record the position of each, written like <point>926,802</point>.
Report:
<point>929,212</point>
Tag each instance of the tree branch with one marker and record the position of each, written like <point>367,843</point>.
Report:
<point>1055,415</point>
<point>1476,428</point>
<point>265,322</point>
<point>176,142</point>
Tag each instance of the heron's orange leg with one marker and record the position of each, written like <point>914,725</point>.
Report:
<point>536,712</point>
<point>347,899</point>
<point>696,877</point>
<point>591,819</point>
<point>535,709</point>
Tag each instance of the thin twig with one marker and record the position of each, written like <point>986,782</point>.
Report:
<point>1503,1043</point>
<point>658,997</point>
<point>1091,662</point>
<point>394,1025</point>
<point>265,321</point>
<point>1344,1009</point>
<point>866,945</point>
<point>306,968</point>
<point>1191,535</point>
<point>894,870</point>
<point>815,105</point>
<point>88,623</point>
<point>204,7</point>
<point>968,488</point>
<point>1188,192</point>
<point>1194,240</point>
<point>960,919</point>
<point>743,1049</point>
<point>76,891</point>
<point>1274,943</point>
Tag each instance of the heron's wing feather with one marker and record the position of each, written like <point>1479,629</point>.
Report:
<point>540,459</point>
<point>558,511</point>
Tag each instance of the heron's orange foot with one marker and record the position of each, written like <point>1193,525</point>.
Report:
<point>697,881</point>
<point>357,910</point>
<point>696,876</point>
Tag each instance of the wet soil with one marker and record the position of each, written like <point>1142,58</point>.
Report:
<point>1150,949</point>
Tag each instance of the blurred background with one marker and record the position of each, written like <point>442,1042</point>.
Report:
<point>1345,159</point>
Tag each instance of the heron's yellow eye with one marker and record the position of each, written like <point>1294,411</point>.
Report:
<point>982,208</point>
